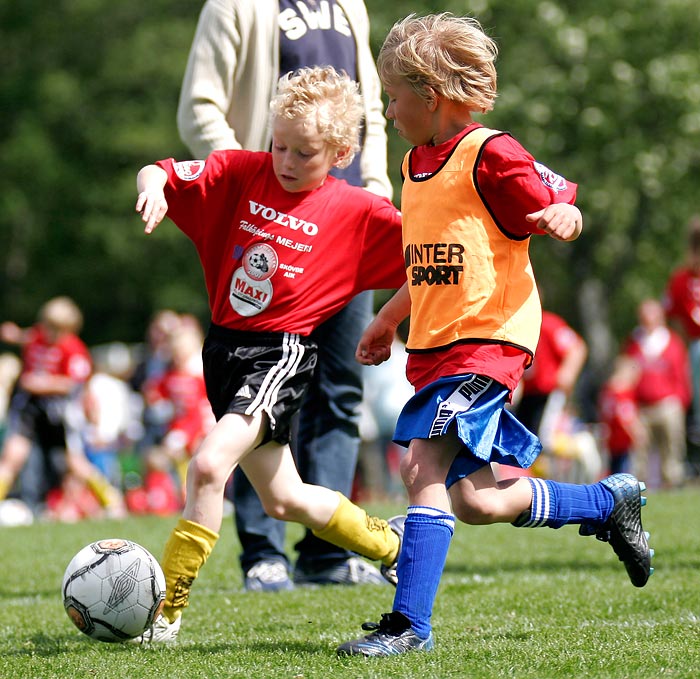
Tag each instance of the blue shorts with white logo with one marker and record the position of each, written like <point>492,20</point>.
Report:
<point>475,404</point>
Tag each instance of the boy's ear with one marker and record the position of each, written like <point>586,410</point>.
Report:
<point>431,97</point>
<point>341,155</point>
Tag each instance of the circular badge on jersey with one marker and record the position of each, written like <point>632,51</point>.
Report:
<point>260,262</point>
<point>249,297</point>
<point>189,170</point>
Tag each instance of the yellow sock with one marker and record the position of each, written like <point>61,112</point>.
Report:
<point>350,527</point>
<point>186,551</point>
<point>107,495</point>
<point>4,488</point>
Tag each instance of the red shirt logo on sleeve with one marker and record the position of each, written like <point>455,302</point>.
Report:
<point>551,179</point>
<point>189,170</point>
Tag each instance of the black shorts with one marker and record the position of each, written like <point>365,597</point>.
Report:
<point>253,372</point>
<point>42,420</point>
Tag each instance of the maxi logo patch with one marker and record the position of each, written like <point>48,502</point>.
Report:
<point>249,297</point>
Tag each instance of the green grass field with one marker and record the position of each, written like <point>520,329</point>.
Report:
<point>519,603</point>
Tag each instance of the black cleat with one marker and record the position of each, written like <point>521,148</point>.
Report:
<point>391,636</point>
<point>623,529</point>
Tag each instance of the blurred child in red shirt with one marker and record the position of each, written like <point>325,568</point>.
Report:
<point>181,388</point>
<point>46,406</point>
<point>619,414</point>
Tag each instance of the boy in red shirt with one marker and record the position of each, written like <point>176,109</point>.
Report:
<point>283,246</point>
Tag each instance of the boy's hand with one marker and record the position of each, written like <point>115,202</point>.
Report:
<point>559,220</point>
<point>152,206</point>
<point>11,333</point>
<point>374,346</point>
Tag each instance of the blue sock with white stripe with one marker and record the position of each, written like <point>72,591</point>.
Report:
<point>557,504</point>
<point>426,540</point>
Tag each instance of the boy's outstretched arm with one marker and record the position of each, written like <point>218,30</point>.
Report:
<point>559,220</point>
<point>151,203</point>
<point>374,346</point>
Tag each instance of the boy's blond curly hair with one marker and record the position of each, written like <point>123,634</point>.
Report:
<point>450,55</point>
<point>328,98</point>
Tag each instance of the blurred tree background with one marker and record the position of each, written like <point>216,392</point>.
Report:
<point>605,93</point>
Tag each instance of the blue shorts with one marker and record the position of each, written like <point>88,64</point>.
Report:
<point>476,405</point>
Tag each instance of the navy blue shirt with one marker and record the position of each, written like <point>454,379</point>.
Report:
<point>319,34</point>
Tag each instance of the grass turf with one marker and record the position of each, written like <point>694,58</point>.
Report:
<point>518,603</point>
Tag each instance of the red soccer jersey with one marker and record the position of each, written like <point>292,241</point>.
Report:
<point>683,300</point>
<point>276,261</point>
<point>68,357</point>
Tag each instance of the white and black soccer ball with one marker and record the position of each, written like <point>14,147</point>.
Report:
<point>113,590</point>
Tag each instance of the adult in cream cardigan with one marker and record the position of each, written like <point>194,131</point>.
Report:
<point>232,73</point>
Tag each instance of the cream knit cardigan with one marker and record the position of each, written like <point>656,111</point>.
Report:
<point>231,76</point>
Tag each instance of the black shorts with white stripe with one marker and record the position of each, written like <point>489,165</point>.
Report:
<point>252,372</point>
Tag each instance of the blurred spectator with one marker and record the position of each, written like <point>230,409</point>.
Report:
<point>549,382</point>
<point>46,408</point>
<point>682,305</point>
<point>108,406</point>
<point>662,392</point>
<point>180,390</point>
<point>623,431</point>
<point>152,365</point>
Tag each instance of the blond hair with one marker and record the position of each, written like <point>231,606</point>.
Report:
<point>63,314</point>
<point>441,52</point>
<point>329,99</point>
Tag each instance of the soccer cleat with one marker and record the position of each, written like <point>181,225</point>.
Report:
<point>391,636</point>
<point>396,523</point>
<point>623,529</point>
<point>161,631</point>
<point>352,571</point>
<point>268,575</point>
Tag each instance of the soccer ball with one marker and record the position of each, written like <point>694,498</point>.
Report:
<point>113,590</point>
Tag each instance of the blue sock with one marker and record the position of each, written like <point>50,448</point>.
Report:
<point>556,504</point>
<point>426,539</point>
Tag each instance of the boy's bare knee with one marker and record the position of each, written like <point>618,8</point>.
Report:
<point>203,470</point>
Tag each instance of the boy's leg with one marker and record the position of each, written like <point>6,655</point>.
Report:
<point>427,535</point>
<point>330,515</point>
<point>609,509</point>
<point>15,454</point>
<point>196,533</point>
